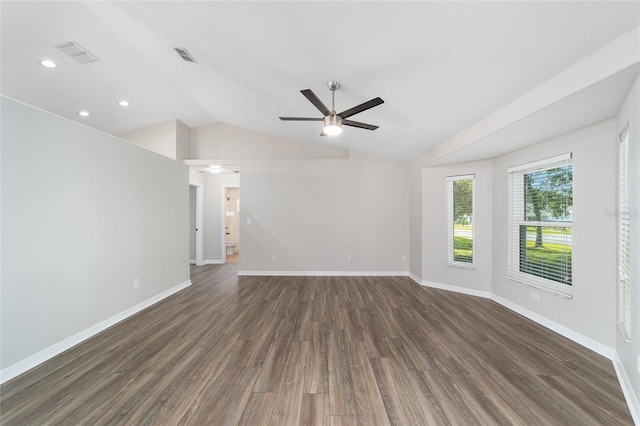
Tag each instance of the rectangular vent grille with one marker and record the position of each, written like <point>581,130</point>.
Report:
<point>184,54</point>
<point>76,52</point>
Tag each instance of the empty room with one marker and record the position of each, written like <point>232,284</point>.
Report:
<point>320,213</point>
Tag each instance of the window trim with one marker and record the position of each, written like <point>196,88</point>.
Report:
<point>516,177</point>
<point>450,235</point>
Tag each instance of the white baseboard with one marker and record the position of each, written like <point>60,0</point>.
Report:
<point>627,389</point>
<point>585,341</point>
<point>457,289</point>
<point>415,278</point>
<point>26,364</point>
<point>213,262</point>
<point>325,273</point>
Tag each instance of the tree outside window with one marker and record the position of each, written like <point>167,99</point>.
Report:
<point>460,220</point>
<point>541,237</point>
<point>548,201</point>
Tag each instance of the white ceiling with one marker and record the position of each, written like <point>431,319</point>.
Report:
<point>439,66</point>
<point>585,107</point>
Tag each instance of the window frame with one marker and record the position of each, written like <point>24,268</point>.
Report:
<point>517,219</point>
<point>450,222</point>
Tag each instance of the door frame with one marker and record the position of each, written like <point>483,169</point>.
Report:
<point>199,223</point>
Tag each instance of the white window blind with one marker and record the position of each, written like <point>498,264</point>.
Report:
<point>460,220</point>
<point>624,264</point>
<point>541,224</point>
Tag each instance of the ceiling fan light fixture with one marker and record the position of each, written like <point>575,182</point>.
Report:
<point>332,125</point>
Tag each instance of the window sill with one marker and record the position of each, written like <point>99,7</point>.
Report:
<point>462,265</point>
<point>542,286</point>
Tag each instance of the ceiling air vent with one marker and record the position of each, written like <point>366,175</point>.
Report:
<point>76,52</point>
<point>184,54</point>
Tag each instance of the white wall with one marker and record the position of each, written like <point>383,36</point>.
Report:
<point>415,221</point>
<point>592,311</point>
<point>312,214</point>
<point>183,141</point>
<point>435,269</point>
<point>83,215</point>
<point>224,141</point>
<point>311,206</point>
<point>196,178</point>
<point>170,138</point>
<point>629,352</point>
<point>159,138</point>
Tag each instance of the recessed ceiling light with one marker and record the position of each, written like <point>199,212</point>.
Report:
<point>83,113</point>
<point>48,63</point>
<point>123,103</point>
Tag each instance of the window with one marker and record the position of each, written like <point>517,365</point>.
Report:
<point>624,264</point>
<point>540,224</point>
<point>460,197</point>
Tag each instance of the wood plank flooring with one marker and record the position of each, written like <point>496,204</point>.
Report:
<point>319,351</point>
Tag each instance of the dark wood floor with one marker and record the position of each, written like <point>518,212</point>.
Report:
<point>319,350</point>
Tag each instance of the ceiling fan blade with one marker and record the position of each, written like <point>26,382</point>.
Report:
<point>300,119</point>
<point>358,124</point>
<point>362,107</point>
<point>308,93</point>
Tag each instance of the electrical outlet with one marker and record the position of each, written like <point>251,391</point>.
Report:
<point>534,295</point>
<point>348,258</point>
<point>273,257</point>
<point>136,283</point>
<point>248,221</point>
<point>404,258</point>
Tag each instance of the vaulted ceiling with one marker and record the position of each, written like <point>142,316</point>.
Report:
<point>439,66</point>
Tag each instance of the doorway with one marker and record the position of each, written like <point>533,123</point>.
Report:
<point>195,224</point>
<point>231,223</point>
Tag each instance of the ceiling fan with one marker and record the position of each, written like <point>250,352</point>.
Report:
<point>333,121</point>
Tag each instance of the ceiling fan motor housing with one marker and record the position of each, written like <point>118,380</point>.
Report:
<point>333,119</point>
